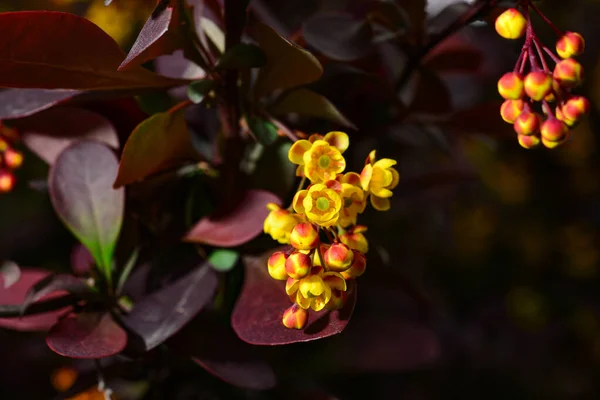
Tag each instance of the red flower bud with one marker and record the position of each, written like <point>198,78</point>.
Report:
<point>529,141</point>
<point>570,44</point>
<point>276,266</point>
<point>510,86</point>
<point>338,257</point>
<point>553,130</point>
<point>295,317</point>
<point>298,265</point>
<point>7,181</point>
<point>569,73</point>
<point>511,24</point>
<point>304,236</point>
<point>538,85</point>
<point>527,123</point>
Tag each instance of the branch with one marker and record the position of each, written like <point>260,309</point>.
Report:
<point>40,307</point>
<point>472,14</point>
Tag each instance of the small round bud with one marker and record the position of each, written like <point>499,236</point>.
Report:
<point>528,142</point>
<point>511,24</point>
<point>511,109</point>
<point>558,112</point>
<point>12,159</point>
<point>527,123</point>
<point>550,144</point>
<point>295,317</point>
<point>358,266</point>
<point>575,108</point>
<point>7,181</point>
<point>298,265</point>
<point>338,257</point>
<point>570,44</point>
<point>569,73</point>
<point>553,130</point>
<point>3,143</point>
<point>538,85</point>
<point>510,86</point>
<point>276,266</point>
<point>304,236</point>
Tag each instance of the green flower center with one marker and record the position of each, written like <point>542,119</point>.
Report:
<point>322,203</point>
<point>324,161</point>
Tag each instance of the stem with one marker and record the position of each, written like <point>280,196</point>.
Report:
<point>179,106</point>
<point>469,16</point>
<point>523,62</point>
<point>551,54</point>
<point>558,32</point>
<point>541,55</point>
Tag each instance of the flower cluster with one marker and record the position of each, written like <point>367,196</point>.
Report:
<point>328,248</point>
<point>533,81</point>
<point>10,159</point>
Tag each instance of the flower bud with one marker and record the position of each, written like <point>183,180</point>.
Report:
<point>279,223</point>
<point>529,141</point>
<point>338,257</point>
<point>298,265</point>
<point>570,44</point>
<point>12,159</point>
<point>355,239</point>
<point>511,109</point>
<point>276,266</point>
<point>358,266</point>
<point>3,143</point>
<point>7,181</point>
<point>550,144</point>
<point>511,24</point>
<point>569,73</point>
<point>561,117</point>
<point>553,130</point>
<point>538,85</point>
<point>510,86</point>
<point>295,317</point>
<point>527,123</point>
<point>304,236</point>
<point>575,108</point>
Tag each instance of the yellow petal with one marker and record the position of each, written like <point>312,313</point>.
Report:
<point>291,286</point>
<point>335,280</point>
<point>395,178</point>
<point>382,192</point>
<point>312,286</point>
<point>297,151</point>
<point>379,203</point>
<point>365,176</point>
<point>298,202</point>
<point>302,301</point>
<point>339,140</point>
<point>385,163</point>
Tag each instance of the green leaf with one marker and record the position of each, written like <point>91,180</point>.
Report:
<point>81,191</point>
<point>288,65</point>
<point>265,131</point>
<point>242,55</point>
<point>158,143</point>
<point>198,90</point>
<point>307,103</point>
<point>223,260</point>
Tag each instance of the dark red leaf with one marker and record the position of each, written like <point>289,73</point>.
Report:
<point>79,55</point>
<point>257,314</point>
<point>339,36</point>
<point>431,94</point>
<point>18,103</point>
<point>482,118</point>
<point>458,60</point>
<point>162,313</point>
<point>87,335</point>
<point>56,284</point>
<point>15,295</point>
<point>236,226</point>
<point>212,343</point>
<point>159,36</point>
<point>50,132</point>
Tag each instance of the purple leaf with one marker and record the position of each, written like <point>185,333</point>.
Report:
<point>257,314</point>
<point>339,36</point>
<point>87,335</point>
<point>211,342</point>
<point>48,133</point>
<point>18,103</point>
<point>161,314</point>
<point>236,226</point>
<point>81,260</point>
<point>15,295</point>
<point>82,195</point>
<point>10,273</point>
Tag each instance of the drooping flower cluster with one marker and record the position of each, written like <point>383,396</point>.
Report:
<point>10,159</point>
<point>533,84</point>
<point>328,248</point>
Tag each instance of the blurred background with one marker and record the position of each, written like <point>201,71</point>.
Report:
<point>493,247</point>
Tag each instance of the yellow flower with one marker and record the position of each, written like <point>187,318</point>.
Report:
<point>320,159</point>
<point>354,199</point>
<point>355,239</point>
<point>379,178</point>
<point>280,223</point>
<point>321,203</point>
<point>315,290</point>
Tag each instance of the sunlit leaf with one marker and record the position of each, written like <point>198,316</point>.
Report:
<point>83,197</point>
<point>223,260</point>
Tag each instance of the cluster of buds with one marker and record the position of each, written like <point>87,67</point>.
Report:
<point>328,248</point>
<point>533,81</point>
<point>10,159</point>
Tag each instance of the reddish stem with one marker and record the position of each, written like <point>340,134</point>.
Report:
<point>541,54</point>
<point>558,32</point>
<point>551,54</point>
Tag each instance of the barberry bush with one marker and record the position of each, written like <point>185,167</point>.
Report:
<point>298,199</point>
